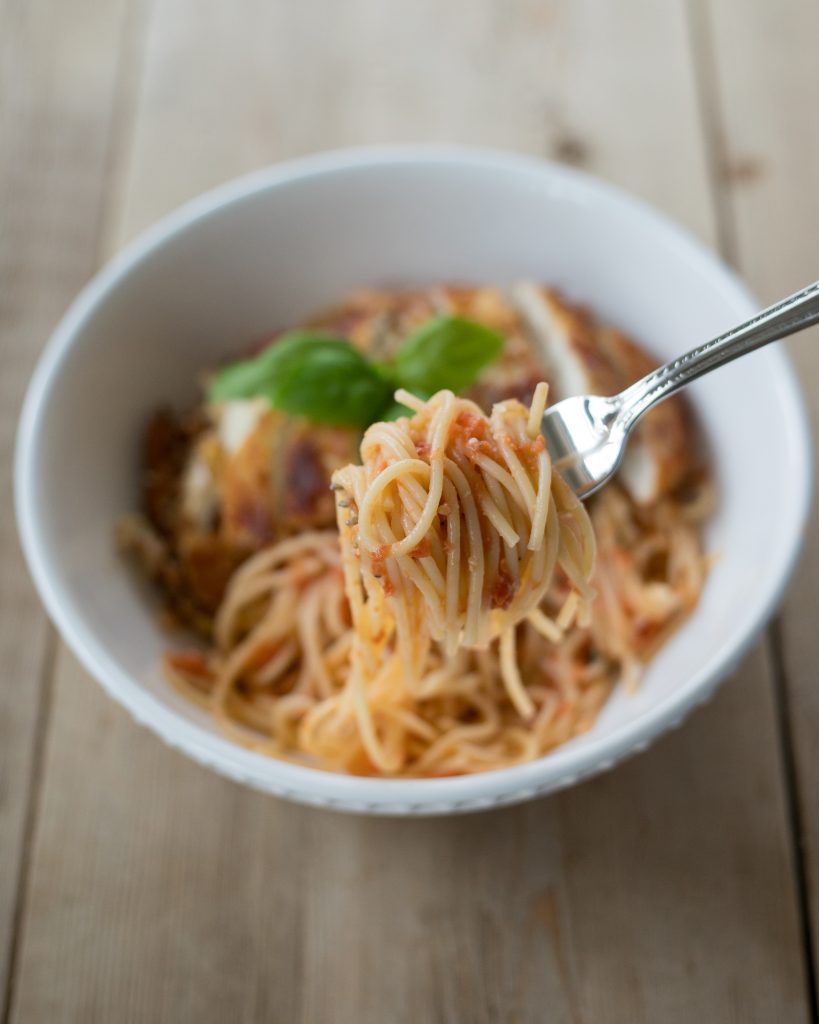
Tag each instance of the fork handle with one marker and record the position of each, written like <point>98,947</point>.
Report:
<point>778,321</point>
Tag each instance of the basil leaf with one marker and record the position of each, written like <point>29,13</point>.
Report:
<point>308,374</point>
<point>327,380</point>
<point>445,352</point>
<point>249,378</point>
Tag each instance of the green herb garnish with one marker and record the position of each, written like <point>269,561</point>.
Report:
<point>446,352</point>
<point>326,379</point>
<point>315,375</point>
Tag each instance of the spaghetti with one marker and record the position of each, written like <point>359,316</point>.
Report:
<point>451,529</point>
<point>280,678</point>
<point>446,625</point>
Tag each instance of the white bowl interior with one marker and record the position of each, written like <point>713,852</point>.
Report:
<point>265,252</point>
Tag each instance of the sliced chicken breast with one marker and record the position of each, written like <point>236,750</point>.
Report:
<point>580,358</point>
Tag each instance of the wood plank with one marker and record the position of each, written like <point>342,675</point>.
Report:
<point>223,95</point>
<point>767,83</point>
<point>660,892</point>
<point>164,893</point>
<point>57,71</point>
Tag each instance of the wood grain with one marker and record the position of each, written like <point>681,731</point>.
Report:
<point>767,84</point>
<point>660,892</point>
<point>224,94</point>
<point>57,72</point>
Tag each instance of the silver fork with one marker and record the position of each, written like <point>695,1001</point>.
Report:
<point>586,435</point>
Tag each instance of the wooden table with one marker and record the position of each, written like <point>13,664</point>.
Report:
<point>136,886</point>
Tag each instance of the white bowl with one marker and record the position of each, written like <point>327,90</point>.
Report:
<point>262,252</point>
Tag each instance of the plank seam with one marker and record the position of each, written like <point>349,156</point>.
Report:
<point>794,811</point>
<point>124,113</point>
<point>714,134</point>
<point>117,131</point>
<point>34,789</point>
<point>709,105</point>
